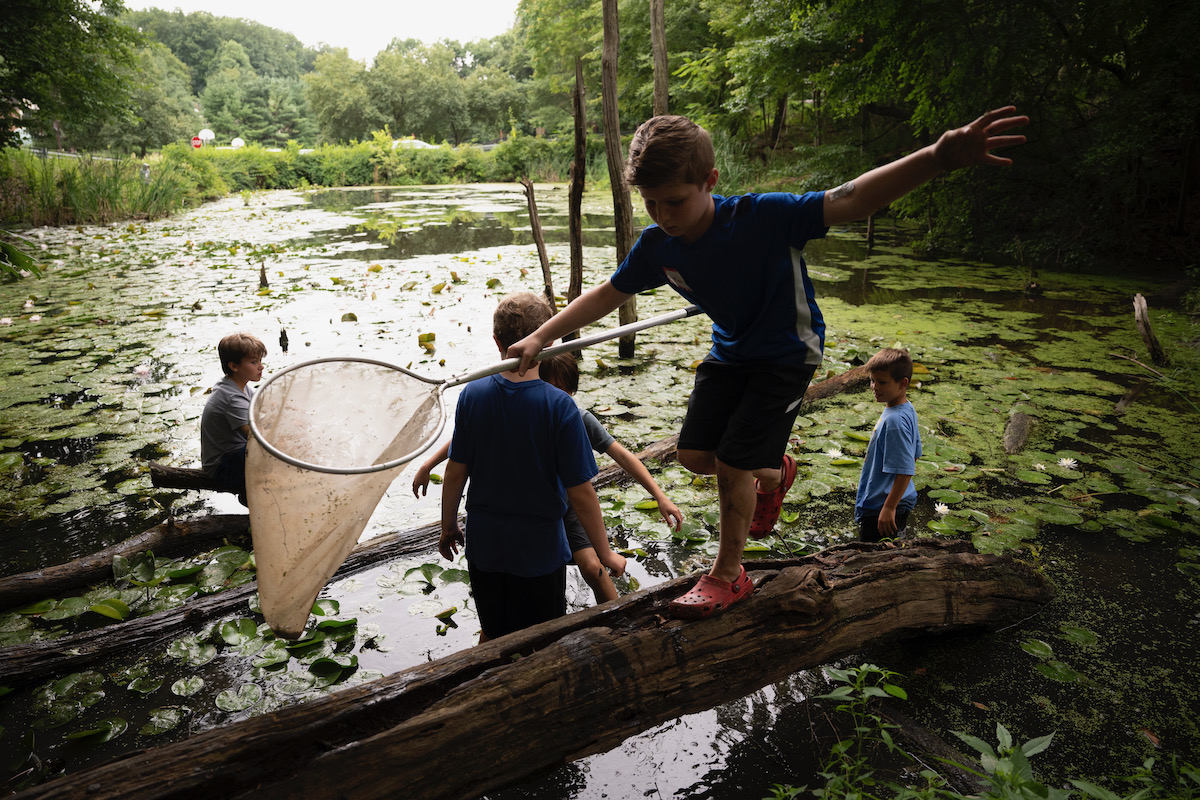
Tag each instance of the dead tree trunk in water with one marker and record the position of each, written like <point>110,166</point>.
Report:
<point>1141,315</point>
<point>658,46</point>
<point>578,685</point>
<point>622,208</point>
<point>575,191</point>
<point>535,224</point>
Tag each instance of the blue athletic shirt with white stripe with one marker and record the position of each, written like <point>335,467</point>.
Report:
<point>746,273</point>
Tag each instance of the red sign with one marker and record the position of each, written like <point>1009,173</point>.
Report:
<point>196,141</point>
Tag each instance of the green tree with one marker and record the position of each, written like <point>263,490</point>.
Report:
<point>419,92</point>
<point>338,95</point>
<point>162,108</point>
<point>61,65</point>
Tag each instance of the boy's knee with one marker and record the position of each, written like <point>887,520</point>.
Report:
<point>701,462</point>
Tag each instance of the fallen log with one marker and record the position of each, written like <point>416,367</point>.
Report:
<point>164,476</point>
<point>578,685</point>
<point>168,538</point>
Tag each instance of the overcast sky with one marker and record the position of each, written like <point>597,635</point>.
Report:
<point>364,27</point>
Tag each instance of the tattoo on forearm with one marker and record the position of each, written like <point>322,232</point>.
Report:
<point>842,191</point>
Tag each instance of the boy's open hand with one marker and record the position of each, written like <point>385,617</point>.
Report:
<point>974,143</point>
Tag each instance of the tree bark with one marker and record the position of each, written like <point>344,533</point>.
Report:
<point>622,208</point>
<point>658,46</point>
<point>575,190</point>
<point>487,717</point>
<point>1141,315</point>
<point>536,224</point>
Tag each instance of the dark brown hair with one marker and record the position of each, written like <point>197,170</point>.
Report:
<point>517,316</point>
<point>562,371</point>
<point>236,346</point>
<point>669,149</point>
<point>895,362</point>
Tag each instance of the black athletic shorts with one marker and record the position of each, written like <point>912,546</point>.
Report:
<point>868,525</point>
<point>507,603</point>
<point>744,412</point>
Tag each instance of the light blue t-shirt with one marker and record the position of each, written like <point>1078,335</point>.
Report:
<point>894,449</point>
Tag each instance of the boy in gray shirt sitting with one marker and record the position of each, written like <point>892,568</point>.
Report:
<point>225,423</point>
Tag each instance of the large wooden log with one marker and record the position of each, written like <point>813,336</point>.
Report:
<point>168,538</point>
<point>488,716</point>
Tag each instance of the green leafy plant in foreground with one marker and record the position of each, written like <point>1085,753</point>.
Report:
<point>1004,771</point>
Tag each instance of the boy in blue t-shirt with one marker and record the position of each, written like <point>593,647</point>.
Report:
<point>523,446</point>
<point>739,259</point>
<point>885,489</point>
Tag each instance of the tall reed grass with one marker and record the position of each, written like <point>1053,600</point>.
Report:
<point>69,191</point>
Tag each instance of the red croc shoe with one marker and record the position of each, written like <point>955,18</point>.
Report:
<point>711,595</point>
<point>769,504</point>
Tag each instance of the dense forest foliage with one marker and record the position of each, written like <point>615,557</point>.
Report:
<point>1110,173</point>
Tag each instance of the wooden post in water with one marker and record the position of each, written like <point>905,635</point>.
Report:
<point>622,209</point>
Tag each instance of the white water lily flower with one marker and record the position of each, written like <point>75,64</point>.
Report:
<point>142,369</point>
<point>1041,467</point>
<point>834,452</point>
<point>5,320</point>
<point>1068,463</point>
<point>942,509</point>
<point>28,304</point>
<point>35,317</point>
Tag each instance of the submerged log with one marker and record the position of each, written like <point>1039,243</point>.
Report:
<point>578,685</point>
<point>168,538</point>
<point>852,380</point>
<point>1016,432</point>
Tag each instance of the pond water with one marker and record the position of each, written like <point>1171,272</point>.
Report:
<point>105,362</point>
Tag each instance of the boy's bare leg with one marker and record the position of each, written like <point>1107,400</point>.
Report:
<point>594,574</point>
<point>736,496</point>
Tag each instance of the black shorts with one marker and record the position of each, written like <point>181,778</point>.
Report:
<point>744,412</point>
<point>507,603</point>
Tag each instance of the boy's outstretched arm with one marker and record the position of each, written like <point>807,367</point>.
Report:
<point>962,147</point>
<point>634,466</point>
<point>421,479</point>
<point>453,485</point>
<point>583,310</point>
<point>583,500</point>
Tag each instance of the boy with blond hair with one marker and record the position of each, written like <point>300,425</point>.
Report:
<point>739,259</point>
<point>225,421</point>
<point>886,493</point>
<point>523,446</point>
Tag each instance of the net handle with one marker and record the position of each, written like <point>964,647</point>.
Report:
<point>439,387</point>
<point>509,364</point>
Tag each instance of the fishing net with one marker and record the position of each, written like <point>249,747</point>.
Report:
<point>330,437</point>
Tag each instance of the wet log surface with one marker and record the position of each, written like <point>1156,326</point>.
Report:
<point>577,685</point>
<point>182,537</point>
<point>164,476</point>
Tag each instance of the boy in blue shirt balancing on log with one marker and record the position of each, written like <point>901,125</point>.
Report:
<point>739,259</point>
<point>886,493</point>
<point>225,421</point>
<point>523,445</point>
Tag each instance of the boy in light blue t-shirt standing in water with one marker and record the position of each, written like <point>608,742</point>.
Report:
<point>886,493</point>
